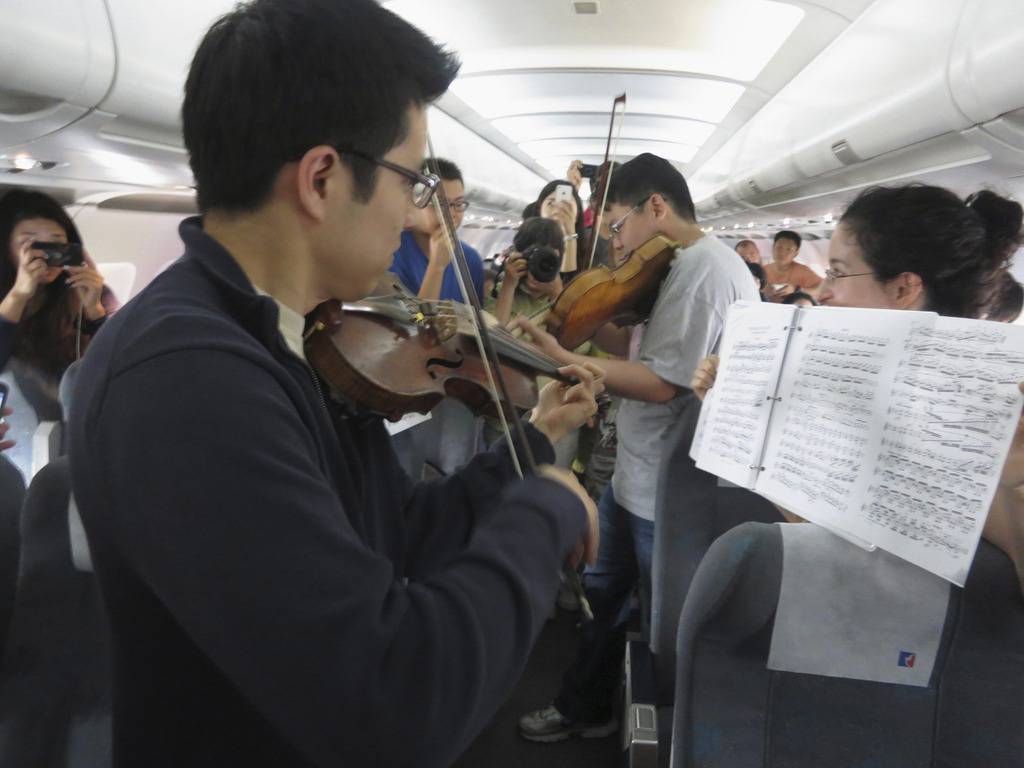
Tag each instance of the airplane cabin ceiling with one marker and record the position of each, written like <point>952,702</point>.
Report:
<point>538,78</point>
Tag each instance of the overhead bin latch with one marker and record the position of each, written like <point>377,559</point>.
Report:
<point>844,152</point>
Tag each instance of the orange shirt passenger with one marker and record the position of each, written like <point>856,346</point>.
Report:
<point>784,275</point>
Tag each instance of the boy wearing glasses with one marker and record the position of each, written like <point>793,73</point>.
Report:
<point>647,197</point>
<point>423,261</point>
<point>279,593</point>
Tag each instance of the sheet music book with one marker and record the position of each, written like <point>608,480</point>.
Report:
<point>890,427</point>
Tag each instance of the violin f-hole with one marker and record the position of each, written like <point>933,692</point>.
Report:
<point>445,363</point>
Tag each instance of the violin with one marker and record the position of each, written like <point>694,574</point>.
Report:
<point>624,295</point>
<point>393,353</point>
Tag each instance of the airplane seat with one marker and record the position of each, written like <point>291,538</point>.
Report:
<point>65,393</point>
<point>692,510</point>
<point>12,493</point>
<point>55,691</point>
<point>797,648</point>
<point>49,440</point>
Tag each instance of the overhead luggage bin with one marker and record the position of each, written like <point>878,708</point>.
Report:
<point>154,49</point>
<point>941,78</point>
<point>57,61</point>
<point>985,60</point>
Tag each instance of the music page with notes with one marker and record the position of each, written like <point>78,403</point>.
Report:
<point>890,426</point>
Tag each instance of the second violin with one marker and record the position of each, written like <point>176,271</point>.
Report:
<point>600,295</point>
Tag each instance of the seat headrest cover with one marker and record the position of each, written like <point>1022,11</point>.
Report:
<point>846,612</point>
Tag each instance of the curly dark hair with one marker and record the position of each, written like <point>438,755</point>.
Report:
<point>957,247</point>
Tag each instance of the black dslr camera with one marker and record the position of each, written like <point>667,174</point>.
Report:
<point>61,254</point>
<point>542,262</point>
<point>540,243</point>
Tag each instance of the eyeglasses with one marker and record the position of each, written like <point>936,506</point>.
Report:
<point>422,185</point>
<point>831,274</point>
<point>459,205</point>
<point>616,226</point>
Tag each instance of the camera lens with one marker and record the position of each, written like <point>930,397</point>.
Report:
<point>543,263</point>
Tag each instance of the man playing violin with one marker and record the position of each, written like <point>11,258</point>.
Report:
<point>647,197</point>
<point>279,592</point>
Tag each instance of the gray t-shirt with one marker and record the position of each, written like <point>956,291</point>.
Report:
<point>684,327</point>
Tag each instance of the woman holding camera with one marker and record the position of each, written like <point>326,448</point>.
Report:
<point>529,281</point>
<point>50,306</point>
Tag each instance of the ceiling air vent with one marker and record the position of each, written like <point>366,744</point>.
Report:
<point>585,9</point>
<point>844,152</point>
<point>753,187</point>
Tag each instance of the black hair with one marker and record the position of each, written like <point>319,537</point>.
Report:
<point>446,169</point>
<point>744,242</point>
<point>958,248</point>
<point>534,208</point>
<point>1007,301</point>
<point>530,211</point>
<point>796,296</point>
<point>40,338</point>
<point>788,234</point>
<point>758,272</point>
<point>274,78</point>
<point>17,206</point>
<point>649,174</point>
<point>538,231</point>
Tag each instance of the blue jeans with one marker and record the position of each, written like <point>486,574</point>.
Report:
<point>623,562</point>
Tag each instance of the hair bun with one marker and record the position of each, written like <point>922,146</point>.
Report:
<point>1003,219</point>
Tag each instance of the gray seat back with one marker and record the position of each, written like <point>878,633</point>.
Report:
<point>730,709</point>
<point>55,690</point>
<point>692,510</point>
<point>12,493</point>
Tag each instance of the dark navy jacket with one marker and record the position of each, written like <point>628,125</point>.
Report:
<point>280,593</point>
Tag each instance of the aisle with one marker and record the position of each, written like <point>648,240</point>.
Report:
<point>500,746</point>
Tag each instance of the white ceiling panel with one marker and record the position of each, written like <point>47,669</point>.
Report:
<point>595,125</point>
<point>558,164</point>
<point>724,38</point>
<point>505,95</point>
<point>681,153</point>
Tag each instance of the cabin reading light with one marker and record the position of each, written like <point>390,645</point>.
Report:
<point>21,163</point>
<point>25,163</point>
<point>828,217</point>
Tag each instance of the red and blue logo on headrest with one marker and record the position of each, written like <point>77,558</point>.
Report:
<point>907,659</point>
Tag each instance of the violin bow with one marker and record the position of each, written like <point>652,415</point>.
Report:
<point>495,378</point>
<point>595,233</point>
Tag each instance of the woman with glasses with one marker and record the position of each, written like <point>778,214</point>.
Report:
<point>923,248</point>
<point>423,261</point>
